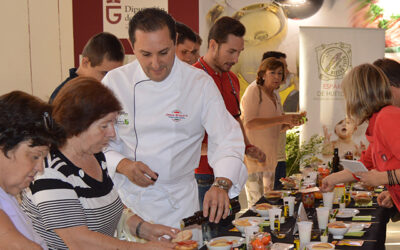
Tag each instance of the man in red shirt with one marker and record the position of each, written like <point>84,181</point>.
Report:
<point>225,42</point>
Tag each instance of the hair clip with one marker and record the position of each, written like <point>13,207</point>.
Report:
<point>48,121</point>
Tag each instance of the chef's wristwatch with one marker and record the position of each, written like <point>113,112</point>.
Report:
<point>221,183</point>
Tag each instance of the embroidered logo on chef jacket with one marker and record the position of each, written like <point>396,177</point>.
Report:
<point>122,118</point>
<point>176,115</point>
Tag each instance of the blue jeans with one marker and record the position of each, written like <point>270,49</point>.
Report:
<point>204,182</point>
<point>280,171</point>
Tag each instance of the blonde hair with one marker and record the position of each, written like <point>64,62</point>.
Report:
<point>366,90</point>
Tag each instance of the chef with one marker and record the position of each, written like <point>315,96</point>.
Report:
<point>167,107</point>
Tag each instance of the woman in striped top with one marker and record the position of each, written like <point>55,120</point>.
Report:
<point>74,203</point>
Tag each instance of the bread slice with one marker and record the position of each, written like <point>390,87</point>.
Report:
<point>182,236</point>
<point>321,246</point>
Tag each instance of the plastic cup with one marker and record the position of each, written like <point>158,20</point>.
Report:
<point>249,232</point>
<point>323,217</point>
<point>290,200</point>
<point>305,228</point>
<point>272,212</point>
<point>328,199</point>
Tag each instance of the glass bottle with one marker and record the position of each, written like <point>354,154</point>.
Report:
<point>335,160</point>
<point>277,223</point>
<point>199,219</point>
<point>286,209</point>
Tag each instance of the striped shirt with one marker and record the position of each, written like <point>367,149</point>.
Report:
<point>65,196</point>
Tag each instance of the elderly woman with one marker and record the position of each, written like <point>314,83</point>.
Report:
<point>24,142</point>
<point>264,119</point>
<point>369,98</point>
<point>74,203</point>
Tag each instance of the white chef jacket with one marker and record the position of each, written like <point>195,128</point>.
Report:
<point>163,124</point>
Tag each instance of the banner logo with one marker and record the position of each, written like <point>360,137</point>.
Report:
<point>333,60</point>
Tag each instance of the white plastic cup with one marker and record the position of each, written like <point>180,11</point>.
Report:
<point>323,217</point>
<point>342,205</point>
<point>305,228</point>
<point>324,238</point>
<point>328,199</point>
<point>272,212</point>
<point>290,200</point>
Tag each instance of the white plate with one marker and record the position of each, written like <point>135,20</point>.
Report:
<point>347,213</point>
<point>240,240</point>
<point>355,228</point>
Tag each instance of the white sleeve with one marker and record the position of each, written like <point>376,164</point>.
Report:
<point>225,140</point>
<point>112,152</point>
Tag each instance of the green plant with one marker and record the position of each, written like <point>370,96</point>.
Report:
<point>305,154</point>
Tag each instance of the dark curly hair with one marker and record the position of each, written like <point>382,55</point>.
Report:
<point>24,117</point>
<point>81,102</point>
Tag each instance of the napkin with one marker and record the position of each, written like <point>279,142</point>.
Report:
<point>362,218</point>
<point>355,234</point>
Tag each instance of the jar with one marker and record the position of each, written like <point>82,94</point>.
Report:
<point>323,172</point>
<point>338,192</point>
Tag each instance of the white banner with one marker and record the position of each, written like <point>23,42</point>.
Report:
<point>118,13</point>
<point>326,54</point>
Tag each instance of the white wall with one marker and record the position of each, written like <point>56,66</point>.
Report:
<point>36,47</point>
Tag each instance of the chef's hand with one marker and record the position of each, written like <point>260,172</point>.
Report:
<point>216,203</point>
<point>154,232</point>
<point>255,153</point>
<point>373,177</point>
<point>385,200</point>
<point>135,171</point>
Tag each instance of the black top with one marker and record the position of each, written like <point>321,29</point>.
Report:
<point>72,75</point>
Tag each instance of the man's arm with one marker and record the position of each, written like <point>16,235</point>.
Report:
<point>251,150</point>
<point>225,152</point>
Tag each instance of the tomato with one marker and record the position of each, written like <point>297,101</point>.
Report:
<point>266,239</point>
<point>257,244</point>
<point>186,242</point>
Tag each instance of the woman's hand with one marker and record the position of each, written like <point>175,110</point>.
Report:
<point>294,119</point>
<point>155,232</point>
<point>373,177</point>
<point>328,183</point>
<point>385,200</point>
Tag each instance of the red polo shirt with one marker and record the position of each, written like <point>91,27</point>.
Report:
<point>223,82</point>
